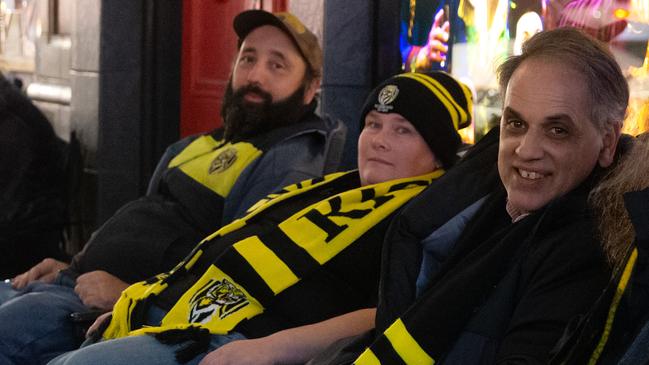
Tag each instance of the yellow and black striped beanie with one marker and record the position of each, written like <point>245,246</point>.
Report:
<point>435,103</point>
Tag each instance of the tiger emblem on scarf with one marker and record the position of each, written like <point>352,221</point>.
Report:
<point>217,297</point>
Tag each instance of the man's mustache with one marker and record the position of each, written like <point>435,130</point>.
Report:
<point>251,88</point>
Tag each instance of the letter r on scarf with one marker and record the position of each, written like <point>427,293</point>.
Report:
<point>329,226</point>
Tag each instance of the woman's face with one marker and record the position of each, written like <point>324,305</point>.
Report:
<point>390,147</point>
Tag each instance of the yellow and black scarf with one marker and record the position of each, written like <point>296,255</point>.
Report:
<point>217,302</point>
<point>484,253</point>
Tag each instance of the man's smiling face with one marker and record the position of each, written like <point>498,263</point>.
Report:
<point>548,144</point>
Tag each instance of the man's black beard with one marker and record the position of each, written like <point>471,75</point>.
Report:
<point>243,120</point>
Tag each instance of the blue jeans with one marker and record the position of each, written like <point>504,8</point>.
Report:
<point>141,350</point>
<point>35,323</point>
<point>7,292</point>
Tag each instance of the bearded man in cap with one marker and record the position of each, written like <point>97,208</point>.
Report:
<point>271,138</point>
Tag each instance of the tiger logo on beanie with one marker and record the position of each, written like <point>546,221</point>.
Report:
<point>387,95</point>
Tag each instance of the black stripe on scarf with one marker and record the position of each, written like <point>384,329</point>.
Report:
<point>300,262</point>
<point>234,265</point>
<point>383,349</point>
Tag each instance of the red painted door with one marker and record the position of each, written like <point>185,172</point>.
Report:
<point>209,46</point>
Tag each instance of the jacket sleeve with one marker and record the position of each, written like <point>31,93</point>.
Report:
<point>172,151</point>
<point>154,186</point>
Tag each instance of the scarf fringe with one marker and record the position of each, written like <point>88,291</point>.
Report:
<point>197,342</point>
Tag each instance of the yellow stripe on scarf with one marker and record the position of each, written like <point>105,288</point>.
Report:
<point>403,344</point>
<point>275,273</point>
<point>367,358</point>
<point>621,287</point>
<point>406,346</point>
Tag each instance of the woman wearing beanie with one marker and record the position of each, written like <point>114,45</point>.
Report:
<point>436,104</point>
<point>301,270</point>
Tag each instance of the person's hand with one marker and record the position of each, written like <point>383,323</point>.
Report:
<point>293,345</point>
<point>94,327</point>
<point>257,351</point>
<point>44,271</point>
<point>436,48</point>
<point>99,289</point>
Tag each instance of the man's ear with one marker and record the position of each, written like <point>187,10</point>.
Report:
<point>610,138</point>
<point>311,90</point>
